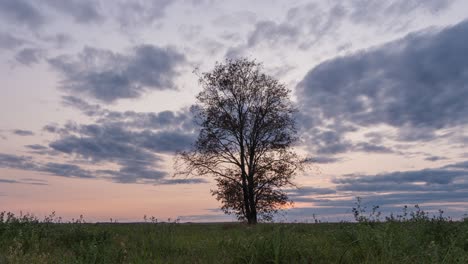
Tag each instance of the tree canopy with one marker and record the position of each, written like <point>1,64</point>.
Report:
<point>247,132</point>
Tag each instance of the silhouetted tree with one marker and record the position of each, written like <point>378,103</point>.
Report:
<point>245,141</point>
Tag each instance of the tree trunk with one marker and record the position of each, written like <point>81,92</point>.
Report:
<point>253,207</point>
<point>246,198</point>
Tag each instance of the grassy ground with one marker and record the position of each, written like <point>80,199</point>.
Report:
<point>417,240</point>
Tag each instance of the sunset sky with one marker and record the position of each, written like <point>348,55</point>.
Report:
<point>95,97</point>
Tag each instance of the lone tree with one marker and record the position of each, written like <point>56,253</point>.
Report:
<point>245,141</point>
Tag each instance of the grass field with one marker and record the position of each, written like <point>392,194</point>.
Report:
<point>418,239</point>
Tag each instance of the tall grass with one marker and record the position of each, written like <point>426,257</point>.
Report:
<point>411,237</point>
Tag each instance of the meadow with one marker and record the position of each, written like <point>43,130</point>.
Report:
<point>410,238</point>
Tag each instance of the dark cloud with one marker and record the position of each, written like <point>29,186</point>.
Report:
<point>416,84</point>
<point>308,24</point>
<point>135,173</point>
<point>8,181</point>
<point>21,12</point>
<point>165,141</point>
<point>59,40</point>
<point>23,181</point>
<point>132,14</point>
<point>368,147</point>
<point>55,128</point>
<point>99,148</point>
<point>374,137</point>
<point>109,76</point>
<point>8,41</point>
<point>323,159</point>
<point>33,181</point>
<point>308,190</point>
<point>427,176</point>
<point>331,142</point>
<point>460,165</point>
<point>27,163</point>
<point>368,11</point>
<point>66,170</point>
<point>41,150</point>
<point>28,56</point>
<point>447,186</point>
<point>131,171</point>
<point>303,26</point>
<point>130,140</point>
<point>190,32</point>
<point>183,181</point>
<point>36,147</point>
<point>435,158</point>
<point>270,32</point>
<point>17,162</point>
<point>443,199</point>
<point>21,132</point>
<point>233,19</point>
<point>82,11</point>
<point>327,142</point>
<point>235,52</point>
<point>166,120</point>
<point>82,105</point>
<point>97,143</point>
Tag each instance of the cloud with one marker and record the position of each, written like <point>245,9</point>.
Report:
<point>373,148</point>
<point>28,164</point>
<point>33,181</point>
<point>82,11</point>
<point>165,141</point>
<point>271,32</point>
<point>368,11</point>
<point>326,142</point>
<point>435,158</point>
<point>427,176</point>
<point>21,132</point>
<point>59,40</point>
<point>36,147</point>
<point>23,181</point>
<point>183,181</point>
<point>8,41</point>
<point>21,12</point>
<point>131,171</point>
<point>8,181</point>
<point>109,76</point>
<point>41,150</point>
<point>310,23</point>
<point>460,165</point>
<point>135,173</point>
<point>28,56</point>
<point>453,176</point>
<point>97,143</point>
<point>132,14</point>
<point>332,141</point>
<point>131,141</point>
<point>308,190</point>
<point>166,120</point>
<point>416,84</point>
<point>447,186</point>
<point>17,162</point>
<point>104,146</point>
<point>303,25</point>
<point>82,105</point>
<point>323,159</point>
<point>66,170</point>
<point>232,19</point>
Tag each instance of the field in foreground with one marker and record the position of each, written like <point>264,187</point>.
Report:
<point>419,241</point>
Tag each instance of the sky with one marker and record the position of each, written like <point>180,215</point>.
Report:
<point>95,98</point>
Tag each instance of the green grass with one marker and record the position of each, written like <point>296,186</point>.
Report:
<point>415,240</point>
